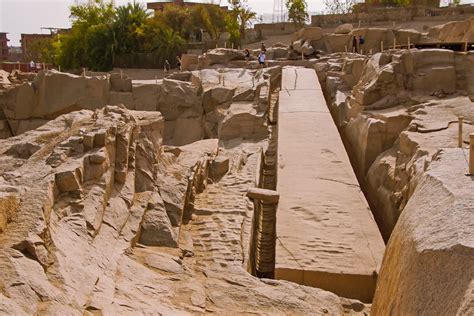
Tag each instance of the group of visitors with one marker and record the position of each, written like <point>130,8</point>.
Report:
<point>262,56</point>
<point>34,67</point>
<point>357,42</point>
<point>167,65</point>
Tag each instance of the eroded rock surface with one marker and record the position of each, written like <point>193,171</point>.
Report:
<point>400,126</point>
<point>378,39</point>
<point>222,103</point>
<point>432,245</point>
<point>403,108</point>
<point>97,216</point>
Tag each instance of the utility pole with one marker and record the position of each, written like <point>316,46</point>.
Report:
<point>279,11</point>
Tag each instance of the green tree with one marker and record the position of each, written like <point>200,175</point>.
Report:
<point>164,41</point>
<point>339,6</point>
<point>210,18</point>
<point>41,50</point>
<point>129,25</point>
<point>233,28</point>
<point>243,14</point>
<point>297,11</point>
<point>91,40</point>
<point>178,19</point>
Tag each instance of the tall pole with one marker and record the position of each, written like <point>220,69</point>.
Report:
<point>278,11</point>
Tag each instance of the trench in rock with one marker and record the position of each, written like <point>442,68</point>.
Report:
<point>325,235</point>
<point>384,228</point>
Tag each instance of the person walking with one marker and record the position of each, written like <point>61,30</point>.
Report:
<point>354,44</point>
<point>247,55</point>
<point>32,66</point>
<point>167,66</point>
<point>262,57</point>
<point>361,41</point>
<point>178,64</point>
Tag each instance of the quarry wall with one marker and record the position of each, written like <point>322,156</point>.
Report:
<point>397,113</point>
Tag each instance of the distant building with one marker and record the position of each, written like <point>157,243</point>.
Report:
<point>14,54</point>
<point>425,3</point>
<point>3,46</point>
<point>160,4</point>
<point>28,41</point>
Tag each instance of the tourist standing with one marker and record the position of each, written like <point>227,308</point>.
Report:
<point>167,66</point>
<point>32,66</point>
<point>262,57</point>
<point>178,64</point>
<point>361,42</point>
<point>354,44</point>
<point>247,55</point>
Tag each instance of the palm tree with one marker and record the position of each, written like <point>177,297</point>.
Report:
<point>128,26</point>
<point>245,15</point>
<point>168,43</point>
<point>242,13</point>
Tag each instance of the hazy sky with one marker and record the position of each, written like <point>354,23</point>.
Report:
<point>28,16</point>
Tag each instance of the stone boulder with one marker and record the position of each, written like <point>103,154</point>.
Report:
<point>344,29</point>
<point>84,181</point>
<point>242,121</point>
<point>4,81</point>
<point>222,56</point>
<point>427,267</point>
<point>308,34</point>
<point>146,96</point>
<point>464,73</point>
<point>307,49</point>
<point>373,38</point>
<point>219,167</point>
<point>337,42</point>
<point>298,46</point>
<point>432,70</point>
<point>53,93</point>
<point>179,99</point>
<point>403,35</point>
<point>19,103</point>
<point>380,85</point>
<point>278,52</point>
<point>156,229</point>
<point>120,83</point>
<point>456,31</point>
<point>189,62</point>
<point>352,69</point>
<point>179,171</point>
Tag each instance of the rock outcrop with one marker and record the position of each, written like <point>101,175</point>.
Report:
<point>378,38</point>
<point>98,217</point>
<point>456,31</point>
<point>427,268</point>
<point>344,29</point>
<point>194,104</point>
<point>395,120</point>
<point>398,96</point>
<point>222,56</point>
